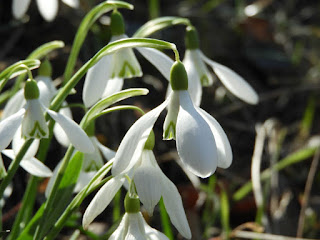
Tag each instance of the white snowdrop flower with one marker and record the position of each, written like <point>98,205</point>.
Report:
<point>48,8</point>
<point>201,142</point>
<point>151,184</point>
<point>195,62</point>
<point>33,124</point>
<point>106,76</point>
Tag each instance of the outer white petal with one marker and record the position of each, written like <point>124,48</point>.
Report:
<point>49,83</point>
<point>14,104</point>
<point>195,142</point>
<point>76,135</point>
<point>233,82</point>
<point>174,206</point>
<point>101,200</point>
<point>147,178</point>
<point>8,128</point>
<point>119,233</point>
<point>58,132</point>
<point>96,81</point>
<point>114,85</point>
<point>72,3</point>
<point>204,75</point>
<point>19,8</point>
<point>132,144</point>
<point>153,234</point>
<point>158,59</point>
<point>18,141</point>
<point>34,124</point>
<point>194,82</point>
<point>223,144</point>
<point>31,165</point>
<point>135,227</point>
<point>48,9</point>
<point>106,152</point>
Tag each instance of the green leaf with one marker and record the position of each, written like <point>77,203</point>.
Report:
<point>18,68</point>
<point>159,24</point>
<point>225,213</point>
<point>45,49</point>
<point>293,158</point>
<point>106,102</point>
<point>62,199</point>
<point>84,27</point>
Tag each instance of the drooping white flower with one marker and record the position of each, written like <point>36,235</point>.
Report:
<point>201,142</point>
<point>48,8</point>
<point>33,124</point>
<point>195,62</point>
<point>106,76</point>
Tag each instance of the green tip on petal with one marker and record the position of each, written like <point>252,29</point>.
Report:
<point>45,69</point>
<point>31,90</point>
<point>132,203</point>
<point>117,23</point>
<point>192,38</point>
<point>178,76</point>
<point>150,141</point>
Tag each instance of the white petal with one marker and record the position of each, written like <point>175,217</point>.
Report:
<point>19,8</point>
<point>195,142</point>
<point>158,59</point>
<point>18,141</point>
<point>119,233</point>
<point>132,144</point>
<point>233,82</point>
<point>92,161</point>
<point>8,128</point>
<point>135,227</point>
<point>201,69</point>
<point>58,132</point>
<point>174,206</point>
<point>46,89</point>
<point>194,82</point>
<point>31,165</point>
<point>114,85</point>
<point>101,200</point>
<point>96,81</point>
<point>34,124</point>
<point>72,3</point>
<point>14,104</point>
<point>106,152</point>
<point>76,135</point>
<point>147,179</point>
<point>48,9</point>
<point>153,234</point>
<point>223,144</point>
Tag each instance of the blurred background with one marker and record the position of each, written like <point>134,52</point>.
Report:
<point>274,45</point>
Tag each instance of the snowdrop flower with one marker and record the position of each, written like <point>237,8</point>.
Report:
<point>33,124</point>
<point>48,8</point>
<point>151,184</point>
<point>195,63</point>
<point>133,226</point>
<point>201,142</point>
<point>106,76</point>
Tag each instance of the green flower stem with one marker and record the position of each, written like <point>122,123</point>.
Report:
<point>29,197</point>
<point>14,166</point>
<point>117,108</point>
<point>83,29</point>
<point>51,199</point>
<point>77,200</point>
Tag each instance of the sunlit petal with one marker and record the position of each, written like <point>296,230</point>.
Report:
<point>233,82</point>
<point>195,142</point>
<point>20,7</point>
<point>58,132</point>
<point>14,104</point>
<point>120,232</point>
<point>48,9</point>
<point>8,128</point>
<point>158,59</point>
<point>106,152</point>
<point>101,200</point>
<point>18,141</point>
<point>153,234</point>
<point>76,135</point>
<point>132,144</point>
<point>72,3</point>
<point>135,227</point>
<point>223,144</point>
<point>114,85</point>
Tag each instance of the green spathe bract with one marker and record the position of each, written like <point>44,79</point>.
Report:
<point>178,76</point>
<point>31,90</point>
<point>45,69</point>
<point>191,38</point>
<point>117,23</point>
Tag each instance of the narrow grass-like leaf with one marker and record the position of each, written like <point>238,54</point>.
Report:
<point>84,27</point>
<point>158,24</point>
<point>293,158</point>
<point>45,49</point>
<point>225,213</point>
<point>165,221</point>
<point>18,68</point>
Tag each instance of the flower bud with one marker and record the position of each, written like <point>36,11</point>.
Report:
<point>149,145</point>
<point>178,76</point>
<point>191,38</point>
<point>132,204</point>
<point>117,23</point>
<point>31,90</point>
